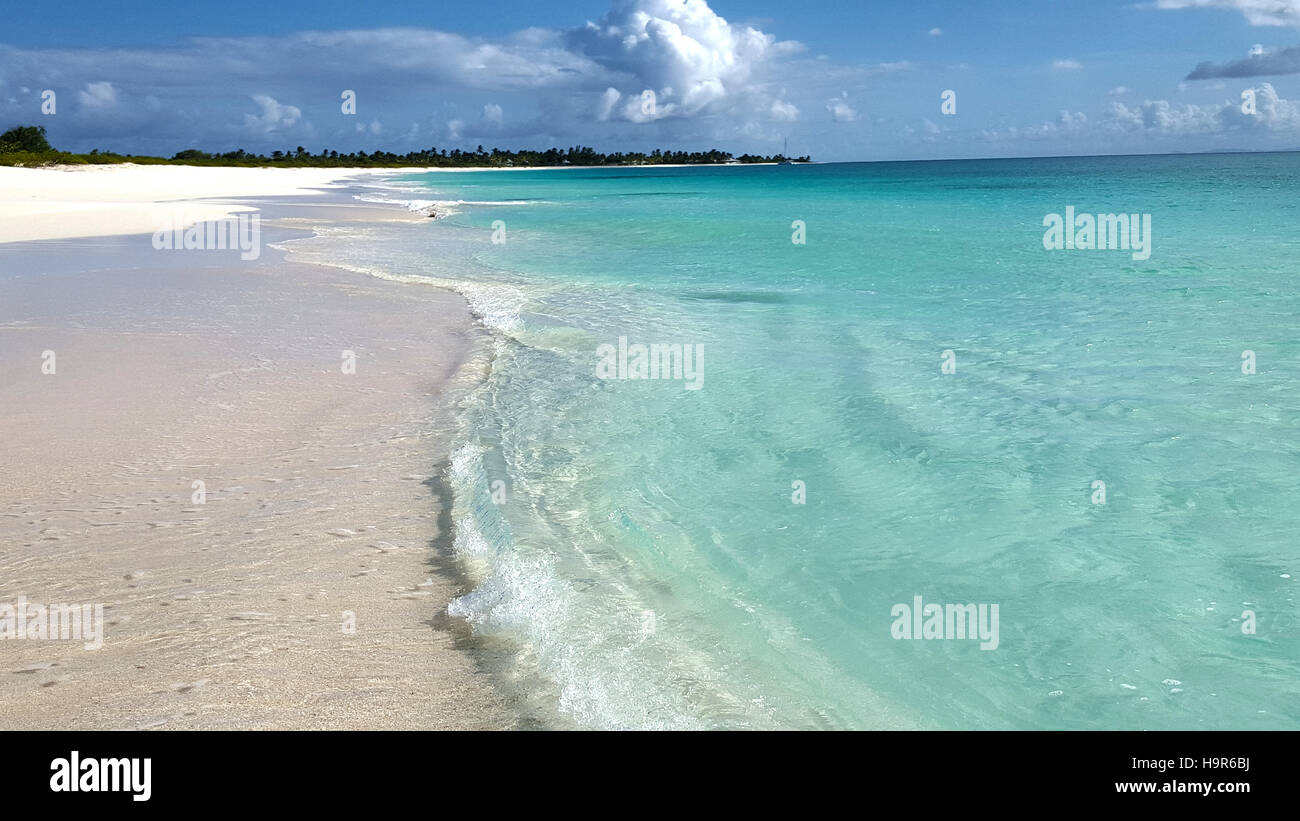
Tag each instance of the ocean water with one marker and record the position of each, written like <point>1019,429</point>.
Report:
<point>731,552</point>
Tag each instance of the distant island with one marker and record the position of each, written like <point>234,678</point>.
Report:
<point>28,146</point>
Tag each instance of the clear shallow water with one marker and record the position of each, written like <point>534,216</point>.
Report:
<point>648,558</point>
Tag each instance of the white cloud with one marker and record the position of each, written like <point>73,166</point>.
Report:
<point>1119,91</point>
<point>693,60</point>
<point>1067,124</point>
<point>530,59</point>
<point>605,106</point>
<point>1163,117</point>
<point>273,117</point>
<point>840,110</point>
<point>936,32</point>
<point>1066,65</point>
<point>1258,12</point>
<point>98,95</point>
<point>454,128</point>
<point>492,113</point>
<point>1121,123</point>
<point>784,112</point>
<point>1071,121</point>
<point>926,132</point>
<point>1273,114</point>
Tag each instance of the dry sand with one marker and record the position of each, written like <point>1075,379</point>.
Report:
<point>322,487</point>
<point>107,200</point>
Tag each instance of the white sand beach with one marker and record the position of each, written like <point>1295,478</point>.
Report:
<point>105,200</point>
<point>185,444</point>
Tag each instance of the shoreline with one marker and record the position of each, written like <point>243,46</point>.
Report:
<point>322,487</point>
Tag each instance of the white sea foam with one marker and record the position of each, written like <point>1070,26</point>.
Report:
<point>496,305</point>
<point>594,647</point>
<point>409,204</point>
<point>441,207</point>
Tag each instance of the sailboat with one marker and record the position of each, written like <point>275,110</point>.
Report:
<point>785,154</point>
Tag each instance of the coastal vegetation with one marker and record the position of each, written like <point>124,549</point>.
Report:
<point>28,146</point>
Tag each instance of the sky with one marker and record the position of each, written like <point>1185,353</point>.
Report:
<point>840,80</point>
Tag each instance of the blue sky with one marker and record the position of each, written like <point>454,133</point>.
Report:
<point>840,80</point>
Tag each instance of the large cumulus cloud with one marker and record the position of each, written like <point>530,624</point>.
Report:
<point>691,59</point>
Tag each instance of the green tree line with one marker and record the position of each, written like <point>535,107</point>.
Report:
<point>27,145</point>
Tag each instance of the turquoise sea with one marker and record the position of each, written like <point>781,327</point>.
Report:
<point>645,553</point>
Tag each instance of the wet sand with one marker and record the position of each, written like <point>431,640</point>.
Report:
<point>321,490</point>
